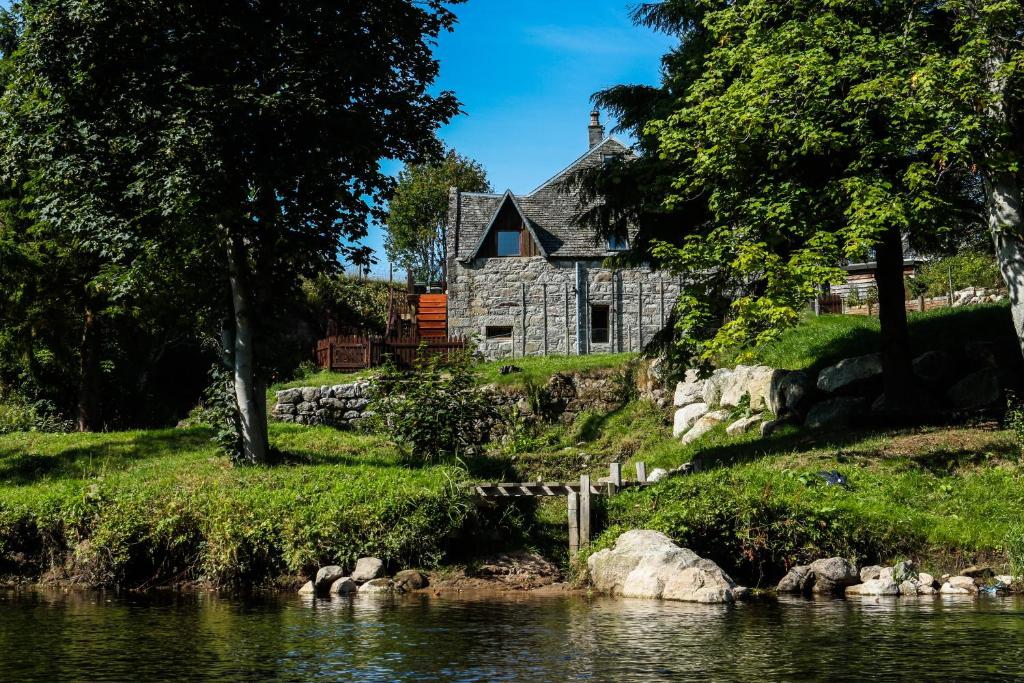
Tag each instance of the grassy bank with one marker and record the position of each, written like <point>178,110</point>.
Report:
<point>147,508</point>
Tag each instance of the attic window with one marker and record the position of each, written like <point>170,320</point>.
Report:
<point>610,158</point>
<point>618,243</point>
<point>506,242</point>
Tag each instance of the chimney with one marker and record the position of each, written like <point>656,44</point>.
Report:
<point>595,129</point>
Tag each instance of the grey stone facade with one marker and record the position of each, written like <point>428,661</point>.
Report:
<point>549,311</point>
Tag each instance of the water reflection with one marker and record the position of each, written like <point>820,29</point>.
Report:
<point>172,637</point>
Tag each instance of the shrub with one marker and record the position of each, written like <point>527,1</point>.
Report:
<point>437,409</point>
<point>968,269</point>
<point>18,414</point>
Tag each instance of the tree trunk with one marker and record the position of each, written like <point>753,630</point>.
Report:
<point>89,374</point>
<point>250,409</point>
<point>1003,205</point>
<point>897,373</point>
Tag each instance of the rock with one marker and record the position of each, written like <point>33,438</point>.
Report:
<point>769,427</point>
<point>933,367</point>
<point>976,390</point>
<point>951,589</point>
<point>794,580</point>
<point>410,580</point>
<point>688,392</point>
<point>760,381</point>
<point>870,572</point>
<point>647,564</point>
<point>886,574</point>
<point>307,588</point>
<point>705,425</point>
<point>743,425</point>
<point>976,572</point>
<point>310,394</point>
<point>326,576</point>
<point>306,408</point>
<point>850,371</point>
<point>836,413</point>
<point>289,396</point>
<point>377,586</point>
<point>343,586</point>
<point>832,575</point>
<point>791,393</point>
<point>964,582</point>
<point>926,580</point>
<point>734,386</point>
<point>1004,580</point>
<point>657,474</point>
<point>874,587</point>
<point>904,570</point>
<point>368,569</point>
<point>685,418</point>
<point>713,386</point>
<point>981,354</point>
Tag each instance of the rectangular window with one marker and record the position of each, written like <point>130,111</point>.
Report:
<point>599,316</point>
<point>498,331</point>
<point>507,242</point>
<point>618,243</point>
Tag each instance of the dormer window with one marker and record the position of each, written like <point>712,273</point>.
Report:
<point>618,243</point>
<point>507,242</point>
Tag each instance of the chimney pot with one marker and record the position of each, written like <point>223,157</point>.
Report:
<point>595,130</point>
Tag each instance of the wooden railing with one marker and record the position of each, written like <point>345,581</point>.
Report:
<point>357,352</point>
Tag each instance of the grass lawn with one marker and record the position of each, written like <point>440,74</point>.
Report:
<point>820,341</point>
<point>137,508</point>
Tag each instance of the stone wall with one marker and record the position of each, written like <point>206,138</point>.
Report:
<point>547,304</point>
<point>341,405</point>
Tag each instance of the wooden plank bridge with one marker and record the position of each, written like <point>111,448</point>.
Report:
<point>578,496</point>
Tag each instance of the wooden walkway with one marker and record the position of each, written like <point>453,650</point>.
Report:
<point>577,494</point>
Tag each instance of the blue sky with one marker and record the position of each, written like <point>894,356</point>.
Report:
<point>524,71</point>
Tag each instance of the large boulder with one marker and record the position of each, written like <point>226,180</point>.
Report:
<point>734,386</point>
<point>791,393</point>
<point>976,390</point>
<point>325,576</point>
<point>377,586</point>
<point>959,585</point>
<point>689,391</point>
<point>647,564</point>
<point>870,572</point>
<point>686,416</point>
<point>714,385</point>
<point>410,580</point>
<point>794,580</point>
<point>343,586</point>
<point>368,569</point>
<point>933,367</point>
<point>849,372</point>
<point>760,383</point>
<point>705,425</point>
<point>836,413</point>
<point>826,576</point>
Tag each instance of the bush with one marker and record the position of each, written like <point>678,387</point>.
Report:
<point>18,414</point>
<point>436,409</point>
<point>969,269</point>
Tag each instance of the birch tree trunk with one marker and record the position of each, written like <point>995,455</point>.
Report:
<point>250,403</point>
<point>1003,204</point>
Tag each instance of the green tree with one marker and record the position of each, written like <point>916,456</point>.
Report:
<point>417,216</point>
<point>800,129</point>
<point>241,140</point>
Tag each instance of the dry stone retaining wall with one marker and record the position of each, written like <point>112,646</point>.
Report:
<point>341,405</point>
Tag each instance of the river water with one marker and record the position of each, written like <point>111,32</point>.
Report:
<point>53,636</point>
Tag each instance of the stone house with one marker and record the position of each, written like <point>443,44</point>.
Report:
<point>525,281</point>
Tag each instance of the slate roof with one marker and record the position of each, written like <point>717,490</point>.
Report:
<point>549,210</point>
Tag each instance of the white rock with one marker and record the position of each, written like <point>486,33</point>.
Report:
<point>705,425</point>
<point>874,587</point>
<point>850,371</point>
<point>657,474</point>
<point>686,416</point>
<point>307,588</point>
<point>377,586</point>
<point>760,380</point>
<point>688,392</point>
<point>367,569</point>
<point>647,564</point>
<point>734,386</point>
<point>743,425</point>
<point>343,586</point>
<point>926,579</point>
<point>870,572</point>
<point>713,386</point>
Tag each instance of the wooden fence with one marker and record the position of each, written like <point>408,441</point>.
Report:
<point>357,352</point>
<point>835,303</point>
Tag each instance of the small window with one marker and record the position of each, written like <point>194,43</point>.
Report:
<point>610,158</point>
<point>498,331</point>
<point>599,324</point>
<point>507,242</point>
<point>618,243</point>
